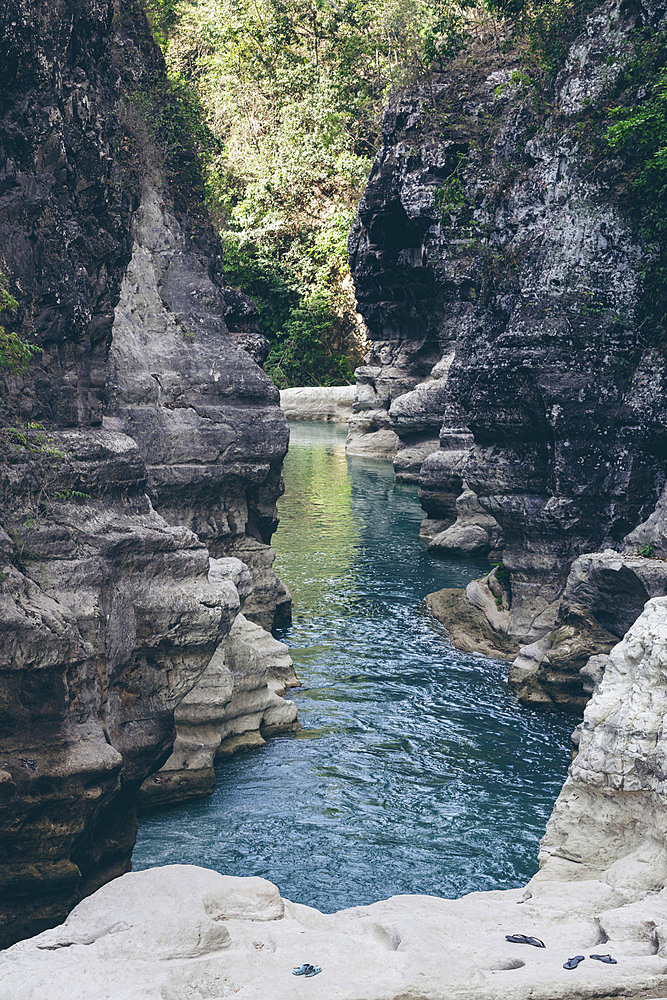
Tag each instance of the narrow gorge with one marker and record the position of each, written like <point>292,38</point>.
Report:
<point>454,618</point>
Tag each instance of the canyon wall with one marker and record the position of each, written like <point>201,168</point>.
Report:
<point>141,459</point>
<point>499,270</point>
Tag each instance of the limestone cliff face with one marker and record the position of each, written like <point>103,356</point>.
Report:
<point>207,421</point>
<point>609,820</point>
<point>492,237</point>
<point>121,473</point>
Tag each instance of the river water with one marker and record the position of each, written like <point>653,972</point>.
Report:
<point>416,770</point>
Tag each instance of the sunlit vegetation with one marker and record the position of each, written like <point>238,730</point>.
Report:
<point>282,101</point>
<point>293,94</point>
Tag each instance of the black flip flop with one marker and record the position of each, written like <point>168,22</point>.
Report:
<point>525,939</point>
<point>572,963</point>
<point>607,959</point>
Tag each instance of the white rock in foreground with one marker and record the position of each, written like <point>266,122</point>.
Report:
<point>186,933</point>
<point>181,932</point>
<point>330,403</point>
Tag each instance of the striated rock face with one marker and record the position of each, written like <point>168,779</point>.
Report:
<point>110,611</point>
<point>175,931</point>
<point>206,419</point>
<point>605,593</point>
<point>609,820</point>
<point>492,236</point>
<point>66,201</point>
<point>237,702</point>
<point>108,619</point>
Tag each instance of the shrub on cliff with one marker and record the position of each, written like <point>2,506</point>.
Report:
<point>15,354</point>
<point>639,133</point>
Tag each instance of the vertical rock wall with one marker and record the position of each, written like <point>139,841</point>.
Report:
<point>496,233</point>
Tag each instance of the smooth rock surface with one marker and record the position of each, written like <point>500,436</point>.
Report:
<point>331,403</point>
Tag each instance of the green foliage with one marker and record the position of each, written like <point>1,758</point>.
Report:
<point>450,196</point>
<point>639,135</point>
<point>304,351</point>
<point>76,495</point>
<point>647,551</point>
<point>32,437</point>
<point>165,125</point>
<point>292,96</point>
<point>549,26</point>
<point>162,15</point>
<point>504,579</point>
<point>15,354</point>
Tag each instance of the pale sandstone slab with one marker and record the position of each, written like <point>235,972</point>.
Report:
<point>328,403</point>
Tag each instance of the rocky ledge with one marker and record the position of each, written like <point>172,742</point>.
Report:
<point>182,931</point>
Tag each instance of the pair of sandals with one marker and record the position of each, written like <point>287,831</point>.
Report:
<point>571,963</point>
<point>306,970</point>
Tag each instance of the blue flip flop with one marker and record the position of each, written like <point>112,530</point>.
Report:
<point>525,939</point>
<point>607,959</point>
<point>312,970</point>
<point>572,963</point>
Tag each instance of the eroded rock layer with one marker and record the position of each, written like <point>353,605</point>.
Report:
<point>111,612</point>
<point>495,236</point>
<point>206,419</point>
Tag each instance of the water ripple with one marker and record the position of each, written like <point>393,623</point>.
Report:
<point>417,771</point>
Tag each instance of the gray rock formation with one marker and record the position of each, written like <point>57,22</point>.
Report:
<point>206,420</point>
<point>236,703</point>
<point>329,403</point>
<point>609,820</point>
<point>489,236</point>
<point>108,619</point>
<point>605,593</point>
<point>473,533</point>
<point>175,931</point>
<point>109,613</point>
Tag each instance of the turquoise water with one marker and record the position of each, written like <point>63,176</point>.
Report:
<point>416,770</point>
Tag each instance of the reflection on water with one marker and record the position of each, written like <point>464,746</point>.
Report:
<point>416,771</point>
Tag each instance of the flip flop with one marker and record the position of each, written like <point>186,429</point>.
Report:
<point>607,959</point>
<point>312,971</point>
<point>301,970</point>
<point>525,939</point>
<point>572,963</point>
